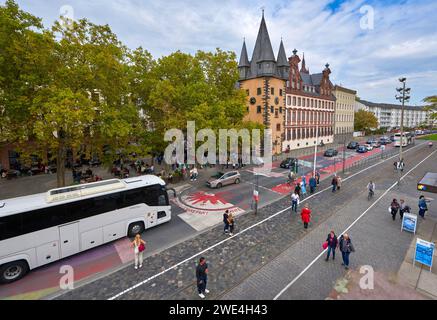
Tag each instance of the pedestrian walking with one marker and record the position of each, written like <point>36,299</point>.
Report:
<point>339,181</point>
<point>306,216</point>
<point>226,221</point>
<point>403,208</point>
<point>423,207</point>
<point>202,277</point>
<point>294,201</point>
<point>334,183</point>
<point>313,184</point>
<point>193,174</point>
<point>394,207</point>
<point>303,189</point>
<point>346,248</point>
<point>332,243</point>
<point>318,176</point>
<point>139,246</point>
<point>297,189</point>
<point>231,223</point>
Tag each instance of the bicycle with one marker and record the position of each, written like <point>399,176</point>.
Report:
<point>370,195</point>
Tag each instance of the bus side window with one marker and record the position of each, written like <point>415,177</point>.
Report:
<point>10,226</point>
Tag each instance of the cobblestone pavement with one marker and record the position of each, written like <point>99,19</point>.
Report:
<point>378,241</point>
<point>233,261</point>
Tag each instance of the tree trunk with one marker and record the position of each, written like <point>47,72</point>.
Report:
<point>60,166</point>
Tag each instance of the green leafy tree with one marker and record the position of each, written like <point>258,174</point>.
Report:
<point>431,106</point>
<point>365,120</point>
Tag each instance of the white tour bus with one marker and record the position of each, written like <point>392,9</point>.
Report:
<point>38,229</point>
<point>407,139</point>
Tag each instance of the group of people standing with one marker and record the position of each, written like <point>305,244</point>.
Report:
<point>344,244</point>
<point>402,207</point>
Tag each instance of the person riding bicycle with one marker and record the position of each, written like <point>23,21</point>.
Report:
<point>371,188</point>
<point>430,144</point>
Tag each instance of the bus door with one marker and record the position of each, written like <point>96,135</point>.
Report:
<point>69,239</point>
<point>151,218</point>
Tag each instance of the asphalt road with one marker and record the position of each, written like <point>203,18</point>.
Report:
<point>102,261</point>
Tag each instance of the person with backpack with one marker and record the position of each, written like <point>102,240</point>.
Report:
<point>202,277</point>
<point>306,216</point>
<point>346,247</point>
<point>294,201</point>
<point>394,208</point>
<point>332,243</point>
<point>139,246</point>
<point>423,207</point>
<point>226,222</point>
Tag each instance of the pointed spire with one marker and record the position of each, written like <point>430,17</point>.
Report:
<point>303,68</point>
<point>263,50</point>
<point>282,57</point>
<point>244,59</point>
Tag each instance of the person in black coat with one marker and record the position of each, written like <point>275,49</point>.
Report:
<point>202,277</point>
<point>332,244</point>
<point>226,221</point>
<point>297,189</point>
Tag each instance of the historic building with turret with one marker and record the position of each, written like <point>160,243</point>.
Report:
<point>296,105</point>
<point>310,106</point>
<point>264,80</point>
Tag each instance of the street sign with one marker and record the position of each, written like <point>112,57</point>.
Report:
<point>409,222</point>
<point>305,163</point>
<point>424,253</point>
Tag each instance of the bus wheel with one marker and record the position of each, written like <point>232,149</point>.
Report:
<point>135,228</point>
<point>13,271</point>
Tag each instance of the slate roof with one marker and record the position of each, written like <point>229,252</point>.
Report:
<point>390,106</point>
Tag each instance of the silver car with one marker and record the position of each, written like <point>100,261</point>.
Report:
<point>222,179</point>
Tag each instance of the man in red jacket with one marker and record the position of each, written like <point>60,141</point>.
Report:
<point>306,216</point>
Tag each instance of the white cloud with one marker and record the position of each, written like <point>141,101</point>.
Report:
<point>403,41</point>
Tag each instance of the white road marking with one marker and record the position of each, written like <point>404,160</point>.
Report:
<point>245,230</point>
<point>348,228</point>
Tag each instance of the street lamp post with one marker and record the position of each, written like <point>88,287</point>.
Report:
<point>402,98</point>
<point>344,154</point>
<point>315,149</point>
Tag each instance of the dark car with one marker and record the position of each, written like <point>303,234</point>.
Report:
<point>288,163</point>
<point>384,141</point>
<point>362,149</point>
<point>352,145</point>
<point>330,153</point>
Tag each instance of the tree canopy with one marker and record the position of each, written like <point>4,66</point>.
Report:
<point>365,120</point>
<point>75,86</point>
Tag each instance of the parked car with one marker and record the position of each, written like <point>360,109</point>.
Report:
<point>376,144</point>
<point>222,179</point>
<point>384,140</point>
<point>369,147</point>
<point>330,153</point>
<point>353,145</point>
<point>371,141</point>
<point>288,163</point>
<point>361,149</point>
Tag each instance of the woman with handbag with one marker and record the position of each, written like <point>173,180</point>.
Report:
<point>139,247</point>
<point>331,244</point>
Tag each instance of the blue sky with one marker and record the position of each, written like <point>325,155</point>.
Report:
<point>403,41</point>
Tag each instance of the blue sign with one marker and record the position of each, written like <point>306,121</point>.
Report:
<point>424,252</point>
<point>409,222</point>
